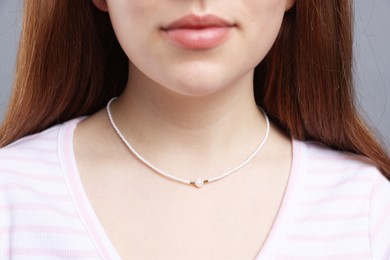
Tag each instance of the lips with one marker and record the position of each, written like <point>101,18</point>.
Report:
<point>198,32</point>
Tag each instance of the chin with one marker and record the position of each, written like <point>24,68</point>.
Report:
<point>199,86</point>
<point>200,92</point>
<point>201,80</point>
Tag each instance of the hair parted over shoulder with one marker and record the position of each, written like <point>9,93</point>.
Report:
<point>70,64</point>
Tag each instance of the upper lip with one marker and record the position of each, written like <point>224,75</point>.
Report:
<point>192,21</point>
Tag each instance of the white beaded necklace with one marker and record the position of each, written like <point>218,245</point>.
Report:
<point>198,182</point>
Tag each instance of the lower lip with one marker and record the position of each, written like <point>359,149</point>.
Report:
<point>205,38</point>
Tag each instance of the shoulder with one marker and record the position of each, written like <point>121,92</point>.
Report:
<point>32,164</point>
<point>347,192</point>
<point>322,160</point>
<point>35,197</point>
<point>32,151</point>
<point>39,149</point>
<point>338,174</point>
<point>327,171</point>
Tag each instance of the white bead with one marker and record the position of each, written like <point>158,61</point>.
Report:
<point>199,183</point>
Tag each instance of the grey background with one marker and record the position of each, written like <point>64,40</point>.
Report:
<point>372,59</point>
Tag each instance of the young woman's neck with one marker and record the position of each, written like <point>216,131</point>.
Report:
<point>160,123</point>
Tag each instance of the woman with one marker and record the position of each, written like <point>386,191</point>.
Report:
<point>185,164</point>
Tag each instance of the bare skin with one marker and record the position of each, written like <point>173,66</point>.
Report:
<point>147,216</point>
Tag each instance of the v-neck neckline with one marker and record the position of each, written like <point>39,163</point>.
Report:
<point>95,229</point>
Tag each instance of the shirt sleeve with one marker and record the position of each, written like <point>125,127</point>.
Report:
<point>380,218</point>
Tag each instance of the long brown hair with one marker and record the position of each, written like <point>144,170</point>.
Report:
<point>70,64</point>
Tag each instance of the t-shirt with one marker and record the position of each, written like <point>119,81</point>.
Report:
<point>336,205</point>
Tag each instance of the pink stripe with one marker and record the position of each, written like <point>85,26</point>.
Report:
<point>348,197</point>
<point>331,186</point>
<point>387,253</point>
<point>35,177</point>
<point>40,150</point>
<point>352,256</point>
<point>335,217</point>
<point>35,206</point>
<point>328,158</point>
<point>42,138</point>
<point>341,157</point>
<point>16,186</point>
<point>50,252</point>
<point>327,238</point>
<point>384,219</point>
<point>335,170</point>
<point>29,160</point>
<point>43,229</point>
<point>376,187</point>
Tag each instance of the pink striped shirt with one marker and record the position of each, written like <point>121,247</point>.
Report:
<point>336,206</point>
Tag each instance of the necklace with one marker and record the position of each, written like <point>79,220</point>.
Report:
<point>198,182</point>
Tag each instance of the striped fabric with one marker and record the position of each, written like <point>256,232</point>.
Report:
<point>336,206</point>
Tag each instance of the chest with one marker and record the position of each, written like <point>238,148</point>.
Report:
<point>166,220</point>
